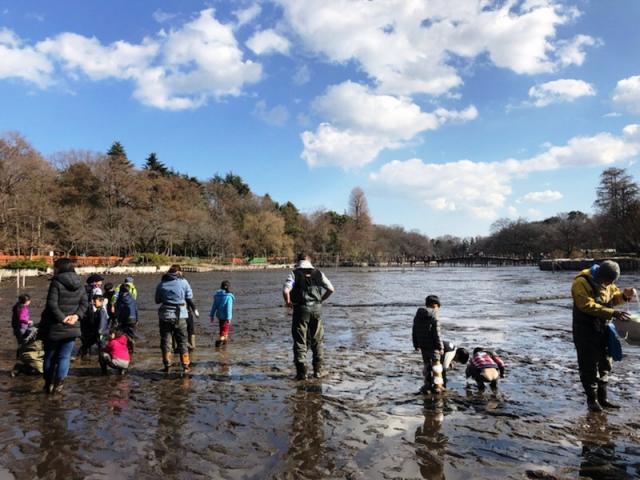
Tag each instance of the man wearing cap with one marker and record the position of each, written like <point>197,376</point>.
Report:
<point>594,298</point>
<point>305,289</point>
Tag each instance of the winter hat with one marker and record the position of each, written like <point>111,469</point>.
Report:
<point>97,293</point>
<point>128,280</point>
<point>432,300</point>
<point>609,271</point>
<point>95,278</point>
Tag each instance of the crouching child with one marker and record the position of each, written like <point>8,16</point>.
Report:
<point>116,353</point>
<point>30,354</point>
<point>485,367</point>
<point>451,357</point>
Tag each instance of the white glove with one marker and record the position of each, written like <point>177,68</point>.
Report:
<point>196,313</point>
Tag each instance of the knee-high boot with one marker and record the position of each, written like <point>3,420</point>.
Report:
<point>184,358</point>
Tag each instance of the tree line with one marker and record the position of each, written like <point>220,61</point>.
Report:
<point>88,203</point>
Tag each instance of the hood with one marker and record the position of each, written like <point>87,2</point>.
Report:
<point>70,280</point>
<point>222,293</point>
<point>304,264</point>
<point>170,277</point>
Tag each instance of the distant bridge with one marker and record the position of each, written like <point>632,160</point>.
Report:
<point>486,261</point>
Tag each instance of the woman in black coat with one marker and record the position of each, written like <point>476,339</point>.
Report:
<point>66,304</point>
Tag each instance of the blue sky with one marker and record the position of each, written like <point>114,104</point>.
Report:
<point>448,114</point>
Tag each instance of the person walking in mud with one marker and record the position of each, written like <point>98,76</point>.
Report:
<point>174,295</point>
<point>594,296</point>
<point>304,290</point>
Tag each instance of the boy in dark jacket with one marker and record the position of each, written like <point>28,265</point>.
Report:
<point>127,314</point>
<point>426,338</point>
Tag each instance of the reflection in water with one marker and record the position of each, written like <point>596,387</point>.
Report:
<point>224,364</point>
<point>431,443</point>
<point>58,444</point>
<point>599,459</point>
<point>307,443</point>
<point>119,394</point>
<point>173,413</point>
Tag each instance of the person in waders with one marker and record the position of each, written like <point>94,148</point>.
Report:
<point>304,290</point>
<point>174,295</point>
<point>594,296</point>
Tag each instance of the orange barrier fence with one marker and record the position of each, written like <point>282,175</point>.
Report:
<point>4,259</point>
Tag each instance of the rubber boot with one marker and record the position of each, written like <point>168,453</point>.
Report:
<point>592,402</point>
<point>318,371</point>
<point>184,358</point>
<point>602,397</point>
<point>57,386</point>
<point>301,371</point>
<point>192,342</point>
<point>438,383</point>
<point>103,368</point>
<point>48,387</point>
<point>166,360</point>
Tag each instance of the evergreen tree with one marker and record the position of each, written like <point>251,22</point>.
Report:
<point>118,157</point>
<point>152,164</point>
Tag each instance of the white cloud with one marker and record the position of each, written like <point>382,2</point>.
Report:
<point>405,46</point>
<point>572,52</point>
<point>347,149</point>
<point>302,76</point>
<point>563,90</point>
<point>247,15</point>
<point>482,188</point>
<point>268,41</point>
<point>370,121</point>
<point>546,196</point>
<point>627,94</point>
<point>632,132</point>
<point>161,16</point>
<point>353,105</point>
<point>276,116</point>
<point>120,59</point>
<point>178,69</point>
<point>23,61</point>
<point>38,17</point>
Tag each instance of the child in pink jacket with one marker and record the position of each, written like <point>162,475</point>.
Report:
<point>116,353</point>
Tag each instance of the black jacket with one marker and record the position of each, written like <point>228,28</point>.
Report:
<point>426,331</point>
<point>66,296</point>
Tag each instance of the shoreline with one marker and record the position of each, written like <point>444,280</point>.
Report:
<point>141,269</point>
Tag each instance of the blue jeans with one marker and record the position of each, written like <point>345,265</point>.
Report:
<point>57,356</point>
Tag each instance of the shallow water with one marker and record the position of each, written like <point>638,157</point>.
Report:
<point>240,414</point>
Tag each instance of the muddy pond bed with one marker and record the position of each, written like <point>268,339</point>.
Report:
<point>240,414</point>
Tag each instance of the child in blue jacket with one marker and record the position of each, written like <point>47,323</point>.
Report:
<point>223,309</point>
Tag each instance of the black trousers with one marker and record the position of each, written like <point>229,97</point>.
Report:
<point>594,362</point>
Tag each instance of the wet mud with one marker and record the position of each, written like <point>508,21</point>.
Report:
<point>240,414</point>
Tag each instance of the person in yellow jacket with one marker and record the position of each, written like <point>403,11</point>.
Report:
<point>594,297</point>
<point>114,298</point>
